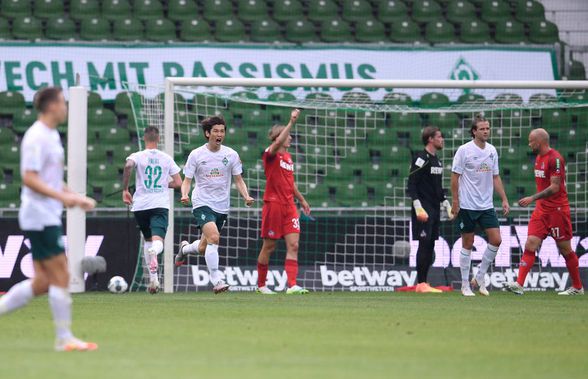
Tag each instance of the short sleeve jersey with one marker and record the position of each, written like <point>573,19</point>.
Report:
<point>212,172</point>
<point>153,169</point>
<point>279,177</point>
<point>547,166</point>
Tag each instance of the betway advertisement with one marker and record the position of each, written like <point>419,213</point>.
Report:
<point>104,68</point>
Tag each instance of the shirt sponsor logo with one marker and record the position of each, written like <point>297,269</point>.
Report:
<point>287,165</point>
<point>540,174</point>
<point>484,167</point>
<point>215,173</point>
<point>436,170</point>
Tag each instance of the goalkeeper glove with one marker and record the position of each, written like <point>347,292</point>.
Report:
<point>447,205</point>
<point>421,213</point>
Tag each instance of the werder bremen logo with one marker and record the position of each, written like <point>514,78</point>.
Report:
<point>464,71</point>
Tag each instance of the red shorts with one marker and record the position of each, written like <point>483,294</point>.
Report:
<point>556,223</point>
<point>277,220</point>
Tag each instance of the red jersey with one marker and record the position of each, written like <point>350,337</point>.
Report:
<point>546,167</point>
<point>279,177</point>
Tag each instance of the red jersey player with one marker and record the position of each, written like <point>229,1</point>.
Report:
<point>551,216</point>
<point>279,214</point>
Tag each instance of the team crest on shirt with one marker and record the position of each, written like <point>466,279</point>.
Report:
<point>271,233</point>
<point>225,161</point>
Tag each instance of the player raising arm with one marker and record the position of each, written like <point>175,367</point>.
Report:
<point>475,175</point>
<point>279,214</point>
<point>211,165</point>
<point>150,203</point>
<point>551,216</point>
<point>43,196</point>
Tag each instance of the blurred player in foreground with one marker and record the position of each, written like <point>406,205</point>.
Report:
<point>43,196</point>
<point>475,176</point>
<point>426,191</point>
<point>212,165</point>
<point>279,214</point>
<point>150,203</point>
<point>551,216</point>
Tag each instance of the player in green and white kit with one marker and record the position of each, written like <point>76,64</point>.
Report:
<point>212,166</point>
<point>150,203</point>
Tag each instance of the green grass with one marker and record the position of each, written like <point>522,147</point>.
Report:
<point>340,335</point>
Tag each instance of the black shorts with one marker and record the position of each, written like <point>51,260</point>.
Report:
<point>429,229</point>
<point>152,222</point>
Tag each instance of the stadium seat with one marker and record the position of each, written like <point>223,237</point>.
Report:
<point>195,30</point>
<point>11,102</point>
<point>94,100</point>
<point>230,30</point>
<point>424,11</point>
<point>370,31</point>
<point>509,98</point>
<point>475,31</point>
<point>4,29</point>
<point>217,9</point>
<point>16,8</point>
<point>470,98</point>
<point>147,9</point>
<point>95,29</point>
<point>23,119</point>
<point>300,31</point>
<point>266,30</point>
<point>381,137</point>
<point>510,32</point>
<point>335,30</point>
<point>392,11</point>
<point>494,11</point>
<point>439,32</point>
<point>434,100</point>
<point>443,120</point>
<point>252,10</point>
<point>529,11</point>
<point>576,70</point>
<point>397,98</point>
<point>405,119</point>
<point>48,8</point>
<point>543,32</point>
<point>29,28</point>
<point>405,31</point>
<point>160,30</point>
<point>322,10</point>
<point>281,97</point>
<point>116,10</point>
<point>101,174</point>
<point>114,135</point>
<point>61,28</point>
<point>102,117</point>
<point>9,195</point>
<point>182,10</point>
<point>127,29</point>
<point>287,10</point>
<point>459,11</point>
<point>356,10</point>
<point>84,9</point>
<point>7,137</point>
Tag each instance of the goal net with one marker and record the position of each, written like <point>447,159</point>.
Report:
<point>352,148</point>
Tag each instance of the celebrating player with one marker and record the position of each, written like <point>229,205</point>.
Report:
<point>279,214</point>
<point>475,175</point>
<point>43,196</point>
<point>150,203</point>
<point>212,165</point>
<point>551,216</point>
<point>426,192</point>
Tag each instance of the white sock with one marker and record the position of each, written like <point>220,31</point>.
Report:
<point>465,260</point>
<point>19,295</point>
<point>60,303</point>
<point>157,246</point>
<point>147,248</point>
<point>487,259</point>
<point>192,248</point>
<point>211,256</point>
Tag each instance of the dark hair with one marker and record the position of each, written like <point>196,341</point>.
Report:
<point>475,121</point>
<point>151,133</point>
<point>429,132</point>
<point>209,122</point>
<point>46,96</point>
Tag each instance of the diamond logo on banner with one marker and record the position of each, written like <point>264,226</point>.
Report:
<point>463,70</point>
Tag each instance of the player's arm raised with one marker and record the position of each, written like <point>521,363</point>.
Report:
<point>554,185</point>
<point>499,187</point>
<point>128,170</point>
<point>303,203</point>
<point>283,136</point>
<point>242,188</point>
<point>70,199</point>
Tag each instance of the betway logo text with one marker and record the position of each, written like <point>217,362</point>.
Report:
<point>241,279</point>
<point>364,277</point>
<point>535,280</point>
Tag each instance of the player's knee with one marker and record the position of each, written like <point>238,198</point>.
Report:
<point>293,247</point>
<point>495,241</point>
<point>214,238</point>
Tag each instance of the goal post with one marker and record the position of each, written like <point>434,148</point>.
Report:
<point>351,147</point>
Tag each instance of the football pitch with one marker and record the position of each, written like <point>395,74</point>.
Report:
<point>321,335</point>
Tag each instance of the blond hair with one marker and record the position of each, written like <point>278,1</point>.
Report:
<point>275,131</point>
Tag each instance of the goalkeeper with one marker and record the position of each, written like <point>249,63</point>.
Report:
<point>426,192</point>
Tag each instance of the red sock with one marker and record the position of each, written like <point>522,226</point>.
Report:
<point>291,267</point>
<point>573,268</point>
<point>527,262</point>
<point>261,274</point>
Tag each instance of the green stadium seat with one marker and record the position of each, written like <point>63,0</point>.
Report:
<point>405,119</point>
<point>23,119</point>
<point>509,98</point>
<point>94,100</point>
<point>424,11</point>
<point>95,29</point>
<point>439,31</point>
<point>287,10</point>
<point>381,137</point>
<point>16,8</point>
<point>397,98</point>
<point>576,70</point>
<point>475,31</point>
<point>322,10</point>
<point>405,31</point>
<point>392,11</point>
<point>7,138</point>
<point>529,11</point>
<point>335,30</point>
<point>28,28</point>
<point>471,98</point>
<point>61,28</point>
<point>116,10</point>
<point>542,98</point>
<point>9,195</point>
<point>10,155</point>
<point>230,30</point>
<point>147,10</point>
<point>281,97</point>
<point>214,10</point>
<point>543,32</point>
<point>370,31</point>
<point>356,10</point>
<point>300,31</point>
<point>400,156</point>
<point>181,10</point>
<point>510,32</point>
<point>195,30</point>
<point>11,102</point>
<point>494,11</point>
<point>555,119</point>
<point>84,9</point>
<point>444,120</point>
<point>265,31</point>
<point>4,29</point>
<point>101,174</point>
<point>96,154</point>
<point>252,10</point>
<point>127,29</point>
<point>160,30</point>
<point>48,8</point>
<point>458,11</point>
<point>434,100</point>
<point>114,136</point>
<point>102,117</point>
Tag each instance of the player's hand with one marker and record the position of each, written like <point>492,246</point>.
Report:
<point>525,201</point>
<point>447,206</point>
<point>249,201</point>
<point>69,199</point>
<point>505,207</point>
<point>294,115</point>
<point>455,208</point>
<point>87,203</point>
<point>421,213</point>
<point>127,197</point>
<point>305,208</point>
<point>185,199</point>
